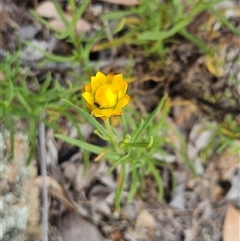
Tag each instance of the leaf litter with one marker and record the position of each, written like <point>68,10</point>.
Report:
<point>81,201</point>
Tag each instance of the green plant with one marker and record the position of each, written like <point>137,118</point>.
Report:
<point>224,139</point>
<point>21,102</point>
<point>152,25</point>
<point>81,45</point>
<point>133,150</point>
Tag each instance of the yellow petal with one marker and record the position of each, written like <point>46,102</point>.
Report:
<point>120,85</point>
<point>118,80</point>
<point>100,75</point>
<point>88,97</point>
<point>123,101</point>
<point>95,83</point>
<point>87,88</point>
<point>103,112</point>
<point>98,80</point>
<point>110,78</point>
<point>118,112</point>
<point>123,90</point>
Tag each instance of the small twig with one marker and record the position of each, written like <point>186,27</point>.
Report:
<point>44,183</point>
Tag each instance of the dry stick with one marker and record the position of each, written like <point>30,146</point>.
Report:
<point>44,183</point>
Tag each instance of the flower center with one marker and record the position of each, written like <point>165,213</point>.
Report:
<point>106,96</point>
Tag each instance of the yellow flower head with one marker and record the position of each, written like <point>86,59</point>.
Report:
<point>106,95</point>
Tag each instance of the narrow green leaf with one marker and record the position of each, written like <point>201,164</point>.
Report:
<point>134,183</point>
<point>52,57</point>
<point>10,127</point>
<point>120,187</point>
<point>108,154</point>
<point>119,161</point>
<point>225,21</point>
<point>46,83</point>
<point>117,15</point>
<point>82,144</point>
<point>161,122</point>
<point>82,8</point>
<point>150,118</point>
<point>106,138</point>
<point>87,117</point>
<point>32,139</point>
<point>158,180</point>
<point>154,35</point>
<point>43,21</point>
<point>138,130</point>
<point>120,25</point>
<point>60,12</point>
<point>24,102</point>
<point>10,91</point>
<point>178,8</point>
<point>141,144</point>
<point>68,30</point>
<point>196,41</point>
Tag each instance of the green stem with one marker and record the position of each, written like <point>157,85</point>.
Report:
<point>111,134</point>
<point>120,186</point>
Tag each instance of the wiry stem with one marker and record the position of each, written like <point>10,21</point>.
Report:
<point>110,132</point>
<point>44,184</point>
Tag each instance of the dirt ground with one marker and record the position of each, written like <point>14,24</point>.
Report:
<point>201,207</point>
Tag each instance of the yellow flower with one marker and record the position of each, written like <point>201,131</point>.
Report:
<point>106,95</point>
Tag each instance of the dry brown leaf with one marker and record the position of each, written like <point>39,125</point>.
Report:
<point>55,190</point>
<point>57,24</point>
<point>75,174</point>
<point>81,25</point>
<point>144,229</point>
<point>231,228</point>
<point>145,220</point>
<point>226,165</point>
<point>73,227</point>
<point>47,9</point>
<point>123,2</point>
